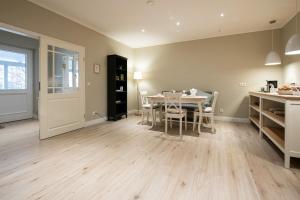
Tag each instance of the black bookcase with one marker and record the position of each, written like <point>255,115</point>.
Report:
<point>116,87</point>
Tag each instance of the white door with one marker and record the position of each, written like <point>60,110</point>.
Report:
<point>62,86</point>
<point>15,84</point>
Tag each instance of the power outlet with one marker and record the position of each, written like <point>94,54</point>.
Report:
<point>221,110</point>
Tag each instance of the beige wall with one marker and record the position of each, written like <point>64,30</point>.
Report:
<point>29,16</point>
<point>212,64</point>
<point>209,64</point>
<point>291,64</point>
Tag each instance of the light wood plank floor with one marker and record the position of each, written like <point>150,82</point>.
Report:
<point>125,160</point>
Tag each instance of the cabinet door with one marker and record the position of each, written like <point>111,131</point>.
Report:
<point>292,132</point>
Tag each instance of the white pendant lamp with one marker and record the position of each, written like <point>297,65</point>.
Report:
<point>293,45</point>
<point>273,57</point>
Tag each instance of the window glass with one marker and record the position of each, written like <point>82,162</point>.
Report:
<point>63,72</point>
<point>16,76</point>
<point>12,70</point>
<point>1,77</point>
<point>50,72</point>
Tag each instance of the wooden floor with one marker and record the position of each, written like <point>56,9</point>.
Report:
<point>125,160</point>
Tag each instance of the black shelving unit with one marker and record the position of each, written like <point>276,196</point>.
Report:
<point>116,87</point>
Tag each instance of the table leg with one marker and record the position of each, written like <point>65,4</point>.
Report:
<point>152,114</point>
<point>160,112</point>
<point>200,117</point>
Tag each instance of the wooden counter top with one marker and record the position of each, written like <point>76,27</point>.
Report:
<point>287,97</point>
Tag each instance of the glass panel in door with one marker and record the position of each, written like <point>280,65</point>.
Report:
<point>63,70</point>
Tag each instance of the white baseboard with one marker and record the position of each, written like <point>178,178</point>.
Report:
<point>130,112</point>
<point>218,118</point>
<point>232,119</point>
<point>35,116</point>
<point>95,121</point>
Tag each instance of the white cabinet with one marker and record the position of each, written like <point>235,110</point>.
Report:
<point>278,118</point>
<point>292,130</point>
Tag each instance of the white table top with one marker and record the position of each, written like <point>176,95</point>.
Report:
<point>184,99</point>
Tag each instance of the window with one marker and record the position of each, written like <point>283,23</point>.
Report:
<point>62,70</point>
<point>12,70</point>
<point>2,77</point>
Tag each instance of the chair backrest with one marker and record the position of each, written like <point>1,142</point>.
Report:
<point>173,102</point>
<point>215,97</point>
<point>143,96</point>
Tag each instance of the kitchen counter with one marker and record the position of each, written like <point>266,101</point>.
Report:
<point>287,97</point>
<point>277,117</point>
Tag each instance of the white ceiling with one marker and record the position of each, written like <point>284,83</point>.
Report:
<point>123,20</point>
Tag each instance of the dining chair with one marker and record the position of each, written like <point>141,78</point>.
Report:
<point>173,110</point>
<point>147,107</point>
<point>207,112</point>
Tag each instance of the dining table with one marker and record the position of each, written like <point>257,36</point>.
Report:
<point>185,99</point>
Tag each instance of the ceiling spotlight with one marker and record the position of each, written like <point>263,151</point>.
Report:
<point>222,15</point>
<point>150,2</point>
<point>143,30</point>
<point>177,23</point>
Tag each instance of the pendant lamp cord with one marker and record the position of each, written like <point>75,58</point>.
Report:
<point>296,16</point>
<point>272,39</point>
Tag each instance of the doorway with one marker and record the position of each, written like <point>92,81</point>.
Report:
<point>56,79</point>
<point>16,83</point>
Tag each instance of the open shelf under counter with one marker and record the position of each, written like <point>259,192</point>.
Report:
<point>276,135</point>
<point>275,118</point>
<point>255,107</point>
<point>255,120</point>
<point>283,128</point>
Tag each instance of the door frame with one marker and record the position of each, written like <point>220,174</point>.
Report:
<point>43,104</point>
<point>38,36</point>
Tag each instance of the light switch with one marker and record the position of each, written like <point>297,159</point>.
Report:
<point>97,68</point>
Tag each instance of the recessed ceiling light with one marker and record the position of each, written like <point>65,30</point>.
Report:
<point>177,23</point>
<point>222,15</point>
<point>150,2</point>
<point>143,30</point>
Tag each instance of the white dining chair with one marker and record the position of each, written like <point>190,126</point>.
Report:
<point>147,108</point>
<point>173,110</point>
<point>209,113</point>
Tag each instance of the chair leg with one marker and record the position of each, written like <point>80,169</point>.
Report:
<point>194,121</point>
<point>142,117</point>
<point>148,117</point>
<point>166,125</point>
<point>160,114</point>
<point>185,123</point>
<point>212,121</point>
<point>152,116</point>
<point>180,127</point>
<point>199,124</point>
